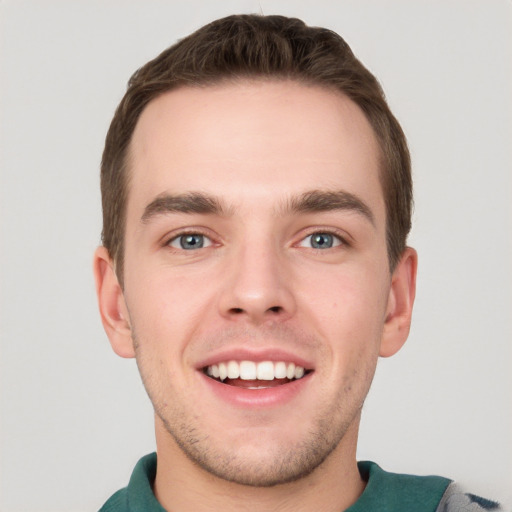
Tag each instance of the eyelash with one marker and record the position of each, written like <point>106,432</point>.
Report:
<point>176,236</point>
<point>337,235</point>
<point>340,237</point>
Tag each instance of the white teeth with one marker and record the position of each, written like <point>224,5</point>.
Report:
<point>233,370</point>
<point>299,372</point>
<point>250,370</point>
<point>280,370</point>
<point>265,370</point>
<point>290,371</point>
<point>223,371</point>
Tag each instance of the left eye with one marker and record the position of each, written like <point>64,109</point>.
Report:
<point>321,241</point>
<point>190,241</point>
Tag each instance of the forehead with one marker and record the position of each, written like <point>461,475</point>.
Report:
<point>253,139</point>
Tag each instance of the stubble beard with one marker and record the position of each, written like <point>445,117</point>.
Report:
<point>281,463</point>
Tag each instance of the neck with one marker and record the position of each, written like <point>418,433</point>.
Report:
<point>182,485</point>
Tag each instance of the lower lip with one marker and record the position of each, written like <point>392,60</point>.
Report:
<point>255,398</point>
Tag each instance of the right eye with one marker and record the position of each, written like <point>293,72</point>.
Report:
<point>190,241</point>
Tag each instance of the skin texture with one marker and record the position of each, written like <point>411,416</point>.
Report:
<point>257,286</point>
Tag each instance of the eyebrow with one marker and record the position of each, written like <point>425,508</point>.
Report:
<point>192,202</point>
<point>328,200</point>
<point>308,202</point>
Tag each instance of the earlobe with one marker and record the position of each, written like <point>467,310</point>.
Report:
<point>114,314</point>
<point>400,303</point>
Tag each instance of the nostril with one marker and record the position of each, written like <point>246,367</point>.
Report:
<point>240,311</point>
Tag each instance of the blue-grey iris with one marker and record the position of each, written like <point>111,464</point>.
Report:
<point>193,241</point>
<point>322,241</point>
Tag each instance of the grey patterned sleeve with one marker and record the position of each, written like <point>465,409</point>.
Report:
<point>456,500</point>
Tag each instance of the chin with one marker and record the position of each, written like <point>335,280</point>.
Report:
<point>260,460</point>
<point>268,471</point>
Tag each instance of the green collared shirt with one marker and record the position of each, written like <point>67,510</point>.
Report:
<point>384,492</point>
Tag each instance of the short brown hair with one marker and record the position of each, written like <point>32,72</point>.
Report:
<point>255,46</point>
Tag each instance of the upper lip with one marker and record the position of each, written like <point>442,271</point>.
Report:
<point>256,355</point>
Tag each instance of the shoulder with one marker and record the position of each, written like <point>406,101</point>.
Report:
<point>138,495</point>
<point>118,502</point>
<point>455,499</point>
<point>395,492</point>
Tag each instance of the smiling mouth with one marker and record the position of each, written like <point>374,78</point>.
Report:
<point>255,375</point>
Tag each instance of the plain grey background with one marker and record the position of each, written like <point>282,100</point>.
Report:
<point>74,418</point>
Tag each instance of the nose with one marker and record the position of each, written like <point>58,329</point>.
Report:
<point>257,287</point>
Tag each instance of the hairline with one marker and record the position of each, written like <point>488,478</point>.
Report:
<point>226,80</point>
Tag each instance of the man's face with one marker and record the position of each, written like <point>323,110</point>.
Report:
<point>255,241</point>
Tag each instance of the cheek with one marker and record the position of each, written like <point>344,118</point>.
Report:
<point>166,308</point>
<point>347,304</point>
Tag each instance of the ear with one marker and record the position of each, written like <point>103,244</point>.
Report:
<point>400,303</point>
<point>113,311</point>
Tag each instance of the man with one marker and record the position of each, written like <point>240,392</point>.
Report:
<point>256,200</point>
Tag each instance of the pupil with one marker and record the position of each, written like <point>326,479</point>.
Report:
<point>191,241</point>
<point>321,241</point>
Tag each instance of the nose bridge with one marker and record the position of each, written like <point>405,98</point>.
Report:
<point>256,286</point>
